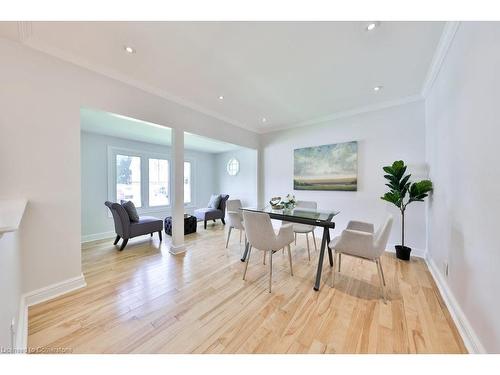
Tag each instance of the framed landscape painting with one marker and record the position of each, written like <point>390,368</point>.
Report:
<point>327,167</point>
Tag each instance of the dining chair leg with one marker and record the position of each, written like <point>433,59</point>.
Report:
<point>308,251</point>
<point>314,240</point>
<point>380,280</point>
<point>240,235</point>
<point>381,271</point>
<point>248,261</point>
<point>290,259</point>
<point>295,234</point>
<point>340,260</point>
<point>264,261</point>
<point>228,235</point>
<point>270,269</point>
<point>333,268</point>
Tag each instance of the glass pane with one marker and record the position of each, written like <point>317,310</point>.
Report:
<point>302,213</point>
<point>158,182</point>
<point>187,182</point>
<point>128,179</point>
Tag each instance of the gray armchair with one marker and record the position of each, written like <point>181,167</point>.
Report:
<point>127,229</point>
<point>208,213</point>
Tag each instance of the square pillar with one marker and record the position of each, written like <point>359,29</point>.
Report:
<point>177,201</point>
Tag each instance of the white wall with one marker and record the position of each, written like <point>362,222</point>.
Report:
<point>96,223</point>
<point>41,98</point>
<point>10,285</point>
<point>463,143</point>
<point>383,136</point>
<point>243,186</point>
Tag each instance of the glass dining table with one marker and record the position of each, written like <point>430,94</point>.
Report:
<point>314,217</point>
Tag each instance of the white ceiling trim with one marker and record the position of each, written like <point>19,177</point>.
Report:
<point>28,39</point>
<point>449,32</point>
<point>349,113</point>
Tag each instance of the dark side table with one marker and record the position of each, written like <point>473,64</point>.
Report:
<point>190,224</point>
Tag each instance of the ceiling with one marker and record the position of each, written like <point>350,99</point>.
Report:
<point>113,125</point>
<point>290,73</point>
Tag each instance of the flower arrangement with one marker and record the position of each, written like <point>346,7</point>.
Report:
<point>287,203</point>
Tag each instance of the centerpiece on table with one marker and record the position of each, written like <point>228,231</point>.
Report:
<point>287,203</point>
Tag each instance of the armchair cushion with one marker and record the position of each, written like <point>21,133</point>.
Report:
<point>145,225</point>
<point>214,201</point>
<point>208,213</point>
<point>129,206</point>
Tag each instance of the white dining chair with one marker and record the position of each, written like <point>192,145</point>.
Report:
<point>359,240</point>
<point>260,235</point>
<point>304,228</point>
<point>234,217</point>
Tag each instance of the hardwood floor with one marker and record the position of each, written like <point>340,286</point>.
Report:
<point>144,300</point>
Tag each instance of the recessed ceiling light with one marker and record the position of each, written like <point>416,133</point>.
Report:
<point>221,97</point>
<point>129,49</point>
<point>377,88</point>
<point>264,119</point>
<point>372,26</point>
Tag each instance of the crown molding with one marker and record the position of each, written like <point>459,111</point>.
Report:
<point>447,37</point>
<point>30,40</point>
<point>27,37</point>
<point>346,114</point>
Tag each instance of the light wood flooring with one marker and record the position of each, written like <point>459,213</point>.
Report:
<point>145,300</point>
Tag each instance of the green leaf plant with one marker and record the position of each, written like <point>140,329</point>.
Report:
<point>400,187</point>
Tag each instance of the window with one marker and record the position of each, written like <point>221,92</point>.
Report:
<point>187,182</point>
<point>128,178</point>
<point>233,167</point>
<point>145,179</point>
<point>158,183</point>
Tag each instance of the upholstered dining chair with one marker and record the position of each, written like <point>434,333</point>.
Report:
<point>359,240</point>
<point>234,217</point>
<point>260,235</point>
<point>304,228</point>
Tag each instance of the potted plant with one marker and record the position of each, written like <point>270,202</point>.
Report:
<point>400,185</point>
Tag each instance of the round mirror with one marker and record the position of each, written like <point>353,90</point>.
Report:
<point>233,167</point>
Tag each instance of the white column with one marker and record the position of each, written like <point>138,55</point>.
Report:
<point>261,199</point>
<point>177,157</point>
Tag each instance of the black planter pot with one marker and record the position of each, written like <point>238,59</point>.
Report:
<point>403,252</point>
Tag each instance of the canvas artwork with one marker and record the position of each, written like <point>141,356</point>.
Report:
<point>327,167</point>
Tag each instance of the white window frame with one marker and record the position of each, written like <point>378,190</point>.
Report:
<point>145,156</point>
<point>192,204</point>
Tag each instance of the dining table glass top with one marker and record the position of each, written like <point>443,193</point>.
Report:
<point>297,213</point>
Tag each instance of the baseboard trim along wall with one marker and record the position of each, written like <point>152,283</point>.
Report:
<point>55,290</point>
<point>98,236</point>
<point>38,296</point>
<point>471,341</point>
<point>22,327</point>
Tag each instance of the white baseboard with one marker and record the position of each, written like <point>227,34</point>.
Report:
<point>471,341</point>
<point>98,236</point>
<point>55,290</point>
<point>38,296</point>
<point>175,250</point>
<point>419,253</point>
<point>21,343</point>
